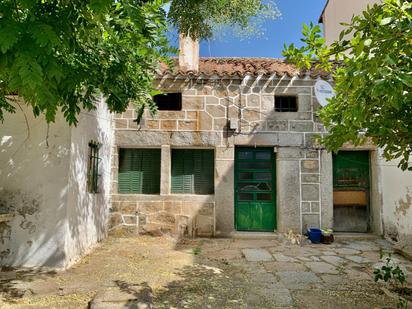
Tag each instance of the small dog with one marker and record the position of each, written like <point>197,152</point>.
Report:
<point>294,238</point>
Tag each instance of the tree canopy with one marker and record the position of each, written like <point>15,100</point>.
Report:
<point>59,54</point>
<point>371,65</point>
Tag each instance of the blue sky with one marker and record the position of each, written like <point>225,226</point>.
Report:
<point>286,29</point>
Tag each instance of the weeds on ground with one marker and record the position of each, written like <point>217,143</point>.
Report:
<point>392,274</point>
<point>196,250</point>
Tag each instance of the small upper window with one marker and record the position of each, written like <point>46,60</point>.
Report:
<point>286,104</point>
<point>168,101</point>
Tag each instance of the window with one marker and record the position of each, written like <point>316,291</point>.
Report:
<point>93,168</point>
<point>139,171</point>
<point>286,104</point>
<point>168,101</point>
<point>193,171</point>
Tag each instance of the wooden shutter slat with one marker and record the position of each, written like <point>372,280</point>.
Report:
<point>139,171</point>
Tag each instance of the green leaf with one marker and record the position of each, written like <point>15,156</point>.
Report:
<point>386,21</point>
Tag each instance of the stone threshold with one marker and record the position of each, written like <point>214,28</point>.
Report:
<point>254,235</point>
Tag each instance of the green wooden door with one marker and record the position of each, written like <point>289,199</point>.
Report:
<point>351,183</point>
<point>255,208</point>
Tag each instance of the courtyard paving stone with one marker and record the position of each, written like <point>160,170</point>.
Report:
<point>333,259</point>
<point>298,280</point>
<point>346,251</point>
<point>284,266</point>
<point>322,268</point>
<point>257,255</point>
<point>164,272</point>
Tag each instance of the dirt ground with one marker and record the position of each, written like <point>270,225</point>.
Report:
<point>163,272</point>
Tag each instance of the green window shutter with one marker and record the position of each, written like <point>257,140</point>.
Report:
<point>192,171</point>
<point>139,171</point>
<point>204,172</point>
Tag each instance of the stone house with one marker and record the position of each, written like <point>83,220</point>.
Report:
<point>231,148</point>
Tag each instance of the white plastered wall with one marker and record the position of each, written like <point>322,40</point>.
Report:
<point>55,219</point>
<point>397,200</point>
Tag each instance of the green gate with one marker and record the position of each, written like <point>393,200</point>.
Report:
<point>255,208</point>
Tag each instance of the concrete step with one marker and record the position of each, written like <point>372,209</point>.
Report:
<point>356,236</point>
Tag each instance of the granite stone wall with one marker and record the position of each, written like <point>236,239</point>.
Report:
<point>208,106</point>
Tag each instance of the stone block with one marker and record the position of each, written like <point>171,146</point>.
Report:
<point>288,195</point>
<point>310,166</point>
<point>187,138</point>
<point>190,209</point>
<point>311,140</point>
<point>128,114</point>
<point>310,220</point>
<point>204,225</point>
<point>292,90</point>
<point>277,125</point>
<point>168,125</point>
<point>133,124</point>
<point>287,153</point>
<point>115,206</point>
<point>289,139</point>
<point>206,90</point>
<point>250,114</point>
<point>306,207</point>
<point>310,192</point>
<point>127,207</point>
<point>174,208</point>
<point>291,115</point>
<point>315,206</point>
<point>130,219</point>
<point>312,154</point>
<point>253,100</point>
<point>151,124</point>
<point>305,103</point>
<point>207,209</point>
<point>233,112</point>
<point>246,90</point>
<point>233,90</point>
<point>150,207</point>
<point>212,100</point>
<point>301,126</point>
<point>121,123</point>
<point>268,102</point>
<point>205,122</point>
<point>256,126</point>
<point>191,115</point>
<point>220,91</point>
<point>310,178</point>
<point>162,217</point>
<point>186,92</point>
<point>193,103</point>
<point>225,153</point>
<point>244,126</point>
<point>171,115</point>
<point>220,124</point>
<point>216,110</point>
<point>270,89</point>
<point>187,125</point>
<point>115,220</point>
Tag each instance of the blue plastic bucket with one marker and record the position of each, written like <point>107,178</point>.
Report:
<point>314,235</point>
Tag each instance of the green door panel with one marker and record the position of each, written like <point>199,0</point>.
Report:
<point>351,170</point>
<point>255,193</point>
